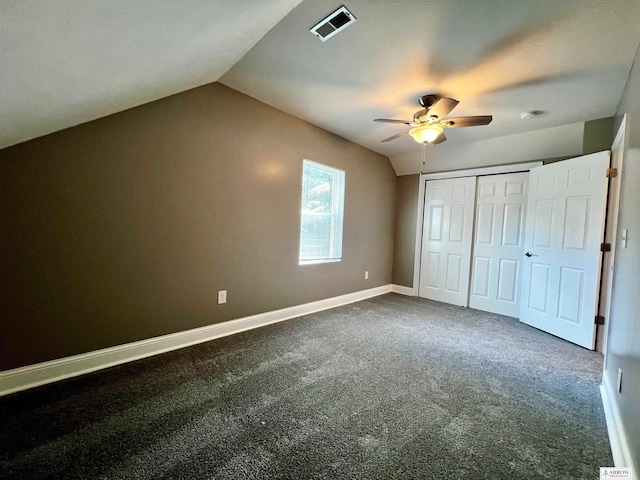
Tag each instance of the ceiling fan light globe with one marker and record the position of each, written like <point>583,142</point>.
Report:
<point>426,133</point>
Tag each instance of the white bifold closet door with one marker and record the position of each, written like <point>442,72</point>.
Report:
<point>446,240</point>
<point>498,243</point>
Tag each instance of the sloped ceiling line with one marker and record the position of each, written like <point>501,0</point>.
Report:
<point>69,61</point>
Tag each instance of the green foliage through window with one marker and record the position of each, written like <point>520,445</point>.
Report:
<point>321,214</point>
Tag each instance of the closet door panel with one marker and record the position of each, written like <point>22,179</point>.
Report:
<point>446,240</point>
<point>498,243</point>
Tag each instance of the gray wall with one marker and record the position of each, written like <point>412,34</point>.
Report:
<point>623,345</point>
<point>564,141</point>
<point>597,135</point>
<point>125,228</point>
<point>407,187</point>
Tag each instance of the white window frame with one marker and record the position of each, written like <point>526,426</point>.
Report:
<point>336,215</point>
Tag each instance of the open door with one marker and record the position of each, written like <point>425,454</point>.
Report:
<point>564,231</point>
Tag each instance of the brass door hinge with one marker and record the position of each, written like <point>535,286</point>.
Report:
<point>612,172</point>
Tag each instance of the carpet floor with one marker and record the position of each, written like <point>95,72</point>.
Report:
<point>391,387</point>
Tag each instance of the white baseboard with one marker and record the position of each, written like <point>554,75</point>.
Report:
<point>47,372</point>
<point>620,448</point>
<point>403,290</point>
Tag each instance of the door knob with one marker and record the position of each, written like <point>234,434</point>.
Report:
<point>529,254</point>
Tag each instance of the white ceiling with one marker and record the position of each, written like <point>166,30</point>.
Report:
<point>64,62</point>
<point>499,57</point>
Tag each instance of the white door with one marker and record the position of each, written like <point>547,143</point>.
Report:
<point>498,243</point>
<point>563,232</point>
<point>446,240</point>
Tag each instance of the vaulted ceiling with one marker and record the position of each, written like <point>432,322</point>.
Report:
<point>65,62</point>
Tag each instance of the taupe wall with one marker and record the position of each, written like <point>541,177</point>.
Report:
<point>407,187</point>
<point>623,345</point>
<point>126,227</point>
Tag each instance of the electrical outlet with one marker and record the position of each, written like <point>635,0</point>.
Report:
<point>619,380</point>
<point>222,297</point>
<point>366,275</point>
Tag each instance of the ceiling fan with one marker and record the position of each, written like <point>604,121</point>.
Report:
<point>428,124</point>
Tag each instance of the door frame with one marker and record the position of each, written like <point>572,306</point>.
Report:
<point>611,236</point>
<point>471,172</point>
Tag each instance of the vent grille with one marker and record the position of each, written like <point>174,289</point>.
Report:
<point>339,20</point>
<point>334,23</point>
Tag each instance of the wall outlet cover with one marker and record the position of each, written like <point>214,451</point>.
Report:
<point>222,297</point>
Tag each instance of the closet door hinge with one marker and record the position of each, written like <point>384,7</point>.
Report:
<point>605,247</point>
<point>612,172</point>
<point>599,320</point>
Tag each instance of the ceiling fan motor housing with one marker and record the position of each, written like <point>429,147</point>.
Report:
<point>426,118</point>
<point>427,100</point>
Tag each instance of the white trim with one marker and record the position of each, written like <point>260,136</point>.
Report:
<point>47,372</point>
<point>620,142</point>
<point>402,290</point>
<point>476,172</point>
<point>617,438</point>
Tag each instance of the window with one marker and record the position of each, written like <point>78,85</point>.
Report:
<point>321,213</point>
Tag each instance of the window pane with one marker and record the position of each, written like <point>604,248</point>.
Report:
<point>321,213</point>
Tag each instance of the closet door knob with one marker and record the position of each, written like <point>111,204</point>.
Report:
<point>529,254</point>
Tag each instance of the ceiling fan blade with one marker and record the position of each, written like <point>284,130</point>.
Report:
<point>468,121</point>
<point>443,106</point>
<point>393,137</point>
<point>391,120</point>
<point>439,139</point>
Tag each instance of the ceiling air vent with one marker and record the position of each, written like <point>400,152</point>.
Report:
<point>334,23</point>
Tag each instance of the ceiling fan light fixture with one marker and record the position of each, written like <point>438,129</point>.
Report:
<point>426,133</point>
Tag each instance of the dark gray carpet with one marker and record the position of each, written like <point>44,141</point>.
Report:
<point>392,387</point>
